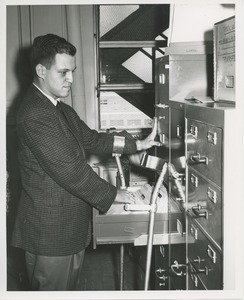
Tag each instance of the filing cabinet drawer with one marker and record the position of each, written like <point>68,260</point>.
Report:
<point>204,150</point>
<point>162,80</point>
<point>205,258</point>
<point>182,76</point>
<point>205,205</point>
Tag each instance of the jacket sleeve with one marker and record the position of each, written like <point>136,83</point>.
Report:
<point>59,155</point>
<point>102,143</point>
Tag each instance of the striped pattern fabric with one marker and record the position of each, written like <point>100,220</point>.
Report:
<point>59,188</point>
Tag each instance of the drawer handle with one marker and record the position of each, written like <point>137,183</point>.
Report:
<point>197,210</point>
<point>194,279</point>
<point>212,254</point>
<point>205,271</point>
<point>194,131</point>
<point>198,259</point>
<point>194,180</point>
<point>179,131</point>
<point>162,250</point>
<point>212,195</point>
<point>161,283</point>
<point>198,159</point>
<point>212,137</point>
<point>161,105</point>
<point>176,265</point>
<point>163,138</point>
<point>159,275</point>
<point>194,231</point>
<point>161,78</point>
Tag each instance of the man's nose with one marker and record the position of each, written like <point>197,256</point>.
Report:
<point>69,77</point>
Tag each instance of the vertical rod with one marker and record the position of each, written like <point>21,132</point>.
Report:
<point>121,267</point>
<point>151,225</point>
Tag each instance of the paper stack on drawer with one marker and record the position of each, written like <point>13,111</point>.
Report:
<point>142,196</point>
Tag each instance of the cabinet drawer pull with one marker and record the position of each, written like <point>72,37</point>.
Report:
<point>177,266</point>
<point>159,274</point>
<point>212,254</point>
<point>212,195</point>
<point>162,138</point>
<point>198,159</point>
<point>212,137</point>
<point>179,131</point>
<point>162,250</point>
<point>197,210</point>
<point>194,231</point>
<point>198,259</point>
<point>204,271</point>
<point>194,279</point>
<point>161,283</point>
<point>194,131</point>
<point>160,105</point>
<point>194,180</point>
<point>161,78</point>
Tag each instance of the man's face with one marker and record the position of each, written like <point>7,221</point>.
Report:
<point>58,79</point>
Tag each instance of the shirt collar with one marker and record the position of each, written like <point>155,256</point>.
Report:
<point>54,101</point>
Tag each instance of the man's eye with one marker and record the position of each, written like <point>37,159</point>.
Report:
<point>63,73</point>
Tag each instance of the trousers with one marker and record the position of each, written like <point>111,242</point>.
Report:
<point>54,273</point>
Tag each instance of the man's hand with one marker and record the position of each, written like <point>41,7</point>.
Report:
<point>123,196</point>
<point>149,141</point>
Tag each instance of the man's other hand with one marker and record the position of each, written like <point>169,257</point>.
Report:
<point>149,141</point>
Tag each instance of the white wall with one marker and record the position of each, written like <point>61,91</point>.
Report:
<point>191,22</point>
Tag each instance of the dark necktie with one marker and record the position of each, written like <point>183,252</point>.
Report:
<point>59,107</point>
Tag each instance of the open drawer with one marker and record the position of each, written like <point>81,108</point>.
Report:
<point>126,228</point>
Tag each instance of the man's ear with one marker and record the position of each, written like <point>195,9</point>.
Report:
<point>40,71</point>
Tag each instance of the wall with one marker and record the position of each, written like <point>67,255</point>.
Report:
<point>194,22</point>
<point>24,23</point>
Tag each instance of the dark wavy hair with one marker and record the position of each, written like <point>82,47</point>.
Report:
<point>45,48</point>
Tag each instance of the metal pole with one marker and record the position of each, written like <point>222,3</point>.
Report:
<point>151,224</point>
<point>121,267</point>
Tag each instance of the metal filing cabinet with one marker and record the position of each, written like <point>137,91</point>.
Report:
<point>207,137</point>
<point>171,127</point>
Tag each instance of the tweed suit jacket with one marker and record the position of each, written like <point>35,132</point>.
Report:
<point>59,187</point>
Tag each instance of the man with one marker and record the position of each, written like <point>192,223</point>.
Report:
<point>53,224</point>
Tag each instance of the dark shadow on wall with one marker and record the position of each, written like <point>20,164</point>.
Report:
<point>16,277</point>
<point>209,48</point>
<point>24,77</point>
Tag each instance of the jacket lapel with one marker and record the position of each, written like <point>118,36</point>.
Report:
<point>64,117</point>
